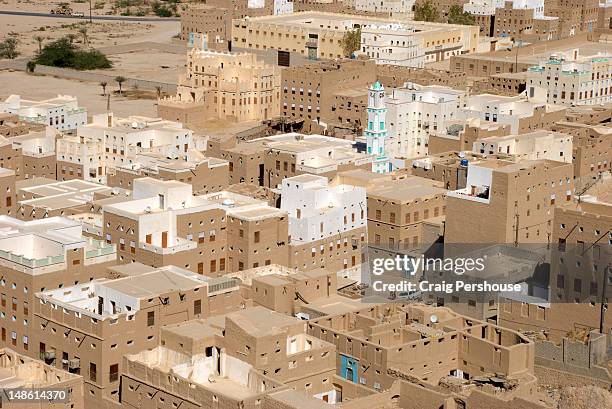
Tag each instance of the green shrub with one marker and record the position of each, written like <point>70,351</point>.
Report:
<point>61,53</point>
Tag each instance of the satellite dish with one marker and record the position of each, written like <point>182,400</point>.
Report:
<point>433,318</point>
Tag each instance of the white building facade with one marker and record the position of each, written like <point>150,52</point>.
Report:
<point>482,7</point>
<point>318,210</point>
<point>488,7</point>
<point>502,110</point>
<point>109,142</point>
<point>62,112</point>
<point>569,79</point>
<point>415,112</point>
<point>391,7</point>
<point>392,44</point>
<point>283,7</point>
<point>540,144</point>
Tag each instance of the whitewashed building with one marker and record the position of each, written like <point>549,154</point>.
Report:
<point>62,112</point>
<point>571,79</point>
<point>541,144</point>
<point>318,209</point>
<point>488,7</point>
<point>503,110</point>
<point>283,7</point>
<point>415,112</point>
<point>392,44</point>
<point>110,142</point>
<point>390,7</point>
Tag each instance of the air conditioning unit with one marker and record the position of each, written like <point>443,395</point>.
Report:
<point>74,363</point>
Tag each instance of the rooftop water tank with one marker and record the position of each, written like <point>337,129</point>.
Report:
<point>464,162</point>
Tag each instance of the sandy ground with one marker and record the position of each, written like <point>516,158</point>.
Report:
<point>88,94</point>
<point>100,33</point>
<point>99,7</point>
<point>150,65</point>
<point>146,65</point>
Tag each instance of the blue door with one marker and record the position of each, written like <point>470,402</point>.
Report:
<point>348,368</point>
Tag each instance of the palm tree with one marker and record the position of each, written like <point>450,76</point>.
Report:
<point>83,31</point>
<point>39,40</point>
<point>71,37</point>
<point>159,91</point>
<point>120,80</point>
<point>103,84</point>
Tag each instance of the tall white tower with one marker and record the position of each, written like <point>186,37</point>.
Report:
<point>376,131</point>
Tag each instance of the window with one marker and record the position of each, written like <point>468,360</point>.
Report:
<point>197,307</point>
<point>560,281</point>
<point>577,285</point>
<point>256,239</point>
<point>593,289</point>
<point>150,318</point>
<point>92,372</point>
<point>113,375</point>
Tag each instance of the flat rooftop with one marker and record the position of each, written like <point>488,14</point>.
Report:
<point>246,276</point>
<point>44,242</point>
<point>318,20</point>
<point>313,150</point>
<point>405,189</point>
<point>123,294</point>
<point>235,379</point>
<point>257,213</point>
<point>336,304</point>
<point>44,103</point>
<point>155,162</point>
<point>510,167</point>
<point>194,329</point>
<point>260,321</point>
<point>540,51</point>
<point>298,143</point>
<point>153,283</point>
<point>228,201</point>
<point>131,269</point>
<point>135,124</point>
<point>18,371</point>
<point>50,194</point>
